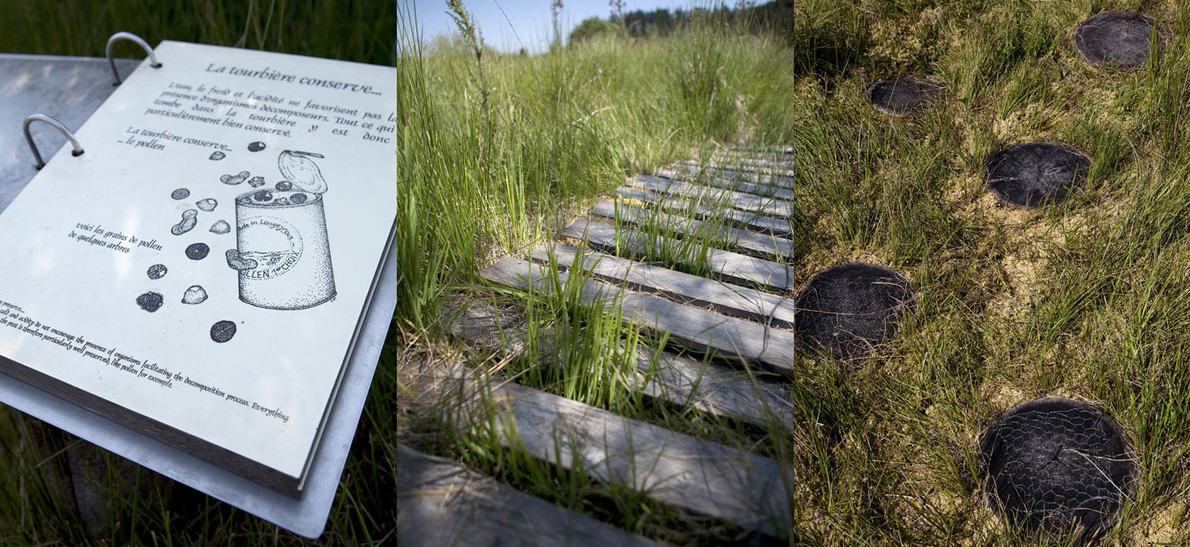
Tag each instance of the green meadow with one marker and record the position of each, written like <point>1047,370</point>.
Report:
<point>1086,299</point>
<point>499,152</point>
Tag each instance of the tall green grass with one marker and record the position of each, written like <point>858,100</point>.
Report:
<point>1084,299</point>
<point>501,152</point>
<point>494,169</point>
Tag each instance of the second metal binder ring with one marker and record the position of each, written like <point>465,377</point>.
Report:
<point>78,150</point>
<point>111,42</point>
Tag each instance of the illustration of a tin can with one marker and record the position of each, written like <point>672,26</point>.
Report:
<point>284,259</point>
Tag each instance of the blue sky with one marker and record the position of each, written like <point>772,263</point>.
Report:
<point>529,18</point>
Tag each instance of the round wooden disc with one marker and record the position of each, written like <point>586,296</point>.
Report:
<point>904,95</point>
<point>1058,466</point>
<point>848,310</point>
<point>1115,38</point>
<point>1032,174</point>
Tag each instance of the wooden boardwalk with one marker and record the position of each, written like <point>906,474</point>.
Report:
<point>734,179</point>
<point>747,303</point>
<point>718,335</point>
<point>703,477</point>
<point>444,503</point>
<point>732,342</point>
<point>678,379</point>
<point>740,200</point>
<point>734,267</point>
<point>751,221</point>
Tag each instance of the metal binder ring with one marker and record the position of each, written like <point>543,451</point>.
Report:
<point>111,42</point>
<point>78,150</point>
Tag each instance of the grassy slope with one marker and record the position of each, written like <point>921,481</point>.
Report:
<point>1087,299</point>
<point>34,508</point>
<point>490,176</point>
<point>499,153</point>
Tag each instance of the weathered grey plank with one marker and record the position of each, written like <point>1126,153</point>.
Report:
<point>698,329</point>
<point>768,150</point>
<point>757,166</point>
<point>724,298</point>
<point>781,182</point>
<point>761,165</point>
<point>716,389</point>
<point>746,242</point>
<point>732,180</point>
<point>700,476</point>
<point>771,176</point>
<point>440,503</point>
<point>739,200</point>
<point>733,267</point>
<point>783,164</point>
<point>707,386</point>
<point>753,221</point>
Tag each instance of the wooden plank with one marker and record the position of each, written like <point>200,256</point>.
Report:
<point>705,331</point>
<point>440,502</point>
<point>742,163</point>
<point>724,298</point>
<point>708,386</point>
<point>750,149</point>
<point>746,242</point>
<point>771,179</point>
<point>780,161</point>
<point>716,389</point>
<point>758,165</point>
<point>696,475</point>
<point>739,200</point>
<point>755,166</point>
<point>752,221</point>
<point>730,266</point>
<point>733,180</point>
<point>774,177</point>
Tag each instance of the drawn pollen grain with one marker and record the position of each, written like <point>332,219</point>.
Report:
<point>197,251</point>
<point>222,331</point>
<point>150,301</point>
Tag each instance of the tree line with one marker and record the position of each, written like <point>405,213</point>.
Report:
<point>774,16</point>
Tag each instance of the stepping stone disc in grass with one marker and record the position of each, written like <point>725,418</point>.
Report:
<point>1035,173</point>
<point>904,95</point>
<point>848,310</point>
<point>1056,466</point>
<point>1115,38</point>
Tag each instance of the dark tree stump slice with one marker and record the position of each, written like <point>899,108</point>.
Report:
<point>1058,467</point>
<point>1115,38</point>
<point>904,95</point>
<point>1036,173</point>
<point>851,309</point>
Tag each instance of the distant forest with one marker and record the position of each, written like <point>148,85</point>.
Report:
<point>775,16</point>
